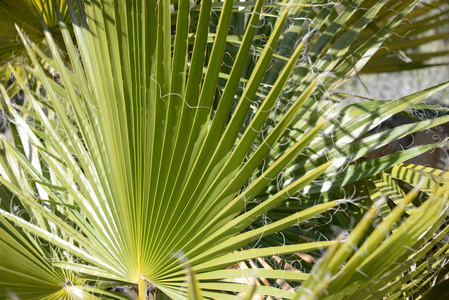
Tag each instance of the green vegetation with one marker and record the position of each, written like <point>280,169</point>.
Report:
<point>200,150</point>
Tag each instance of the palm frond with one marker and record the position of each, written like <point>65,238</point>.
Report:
<point>160,139</point>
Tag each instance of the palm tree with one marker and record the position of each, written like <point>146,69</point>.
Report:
<point>202,150</point>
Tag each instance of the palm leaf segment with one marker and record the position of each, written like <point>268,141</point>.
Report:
<point>151,161</point>
<point>27,14</point>
<point>26,274</point>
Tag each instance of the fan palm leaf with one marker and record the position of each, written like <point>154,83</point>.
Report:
<point>156,162</point>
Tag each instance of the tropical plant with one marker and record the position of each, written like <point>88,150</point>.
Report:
<point>201,150</point>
